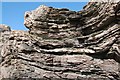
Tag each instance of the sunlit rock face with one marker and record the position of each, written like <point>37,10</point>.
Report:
<point>4,28</point>
<point>64,44</point>
<point>53,23</point>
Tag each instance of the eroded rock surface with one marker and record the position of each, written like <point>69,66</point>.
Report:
<point>64,44</point>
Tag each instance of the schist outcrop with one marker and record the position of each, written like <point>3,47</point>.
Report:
<point>64,44</point>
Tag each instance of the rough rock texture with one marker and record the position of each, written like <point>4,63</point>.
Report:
<point>64,44</point>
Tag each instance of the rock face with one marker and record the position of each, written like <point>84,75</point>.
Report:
<point>51,23</point>
<point>64,44</point>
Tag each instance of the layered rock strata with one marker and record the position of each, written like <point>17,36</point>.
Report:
<point>64,44</point>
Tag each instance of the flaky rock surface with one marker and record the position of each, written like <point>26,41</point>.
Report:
<point>64,44</point>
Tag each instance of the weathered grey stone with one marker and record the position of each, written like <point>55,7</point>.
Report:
<point>24,47</point>
<point>64,44</point>
<point>4,28</point>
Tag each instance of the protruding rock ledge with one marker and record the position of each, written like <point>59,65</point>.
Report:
<point>48,22</point>
<point>4,27</point>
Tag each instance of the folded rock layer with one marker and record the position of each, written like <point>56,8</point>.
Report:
<point>64,44</point>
